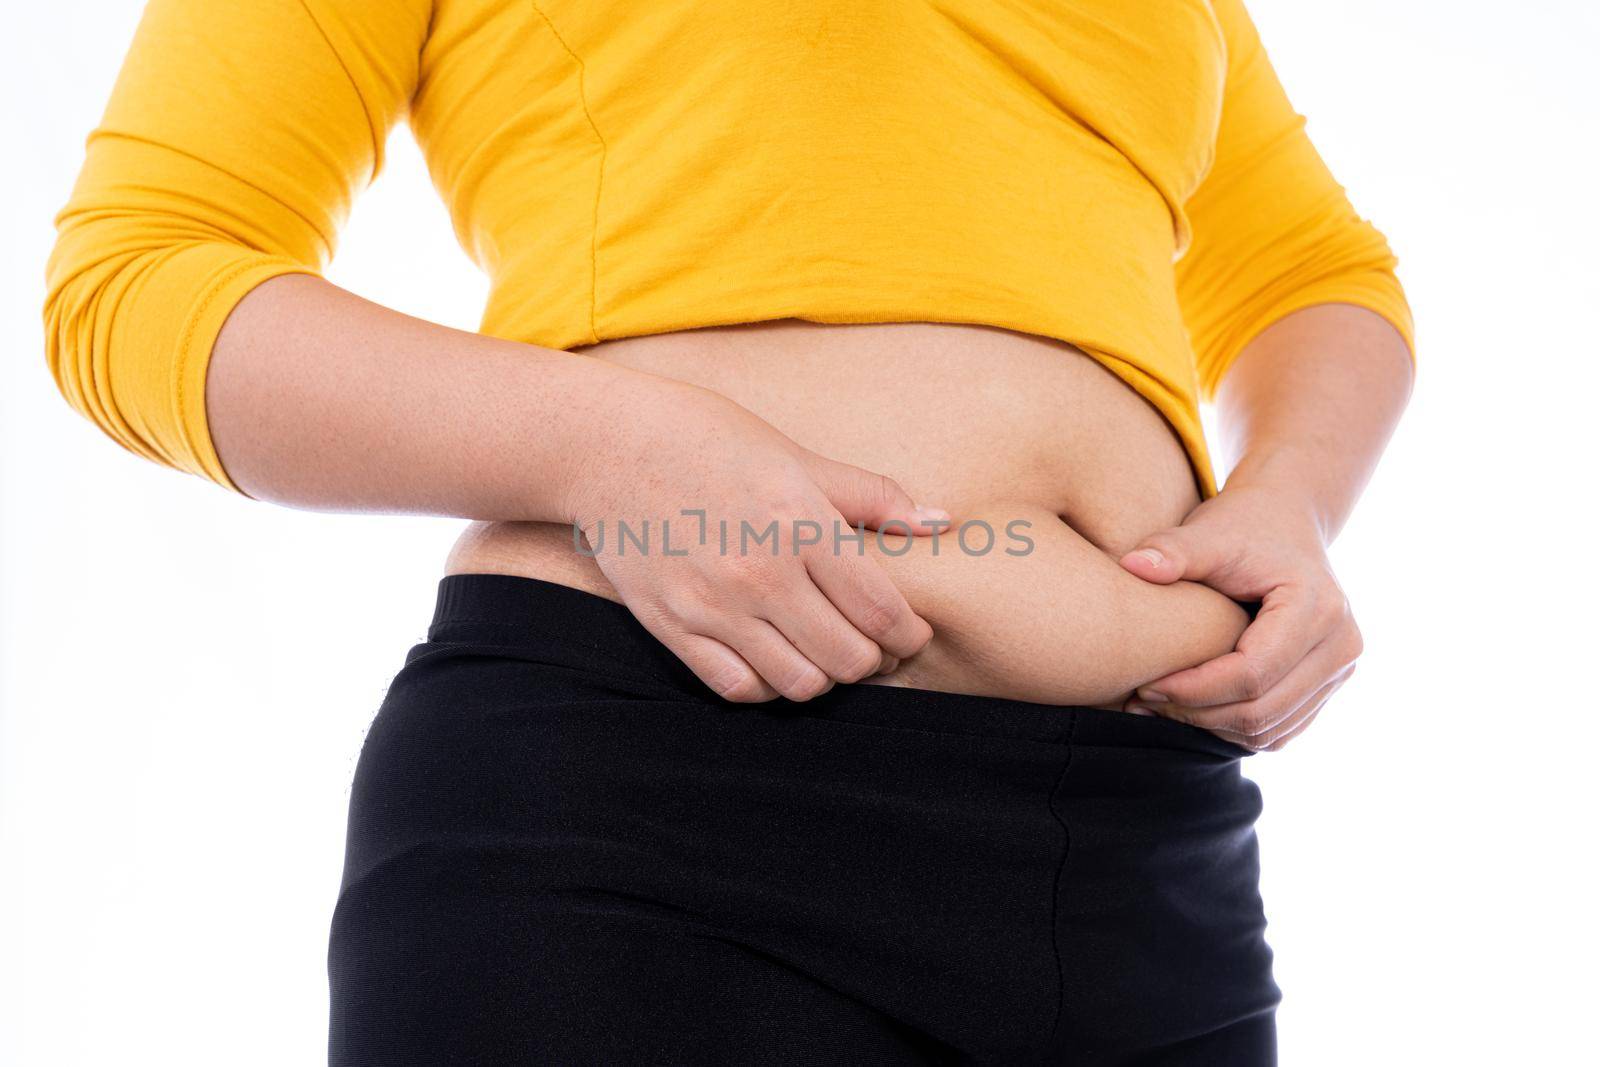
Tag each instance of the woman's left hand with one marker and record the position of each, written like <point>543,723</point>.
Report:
<point>1254,544</point>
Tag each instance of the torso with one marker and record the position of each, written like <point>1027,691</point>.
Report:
<point>979,421</point>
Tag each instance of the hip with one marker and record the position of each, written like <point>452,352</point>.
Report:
<point>1008,878</point>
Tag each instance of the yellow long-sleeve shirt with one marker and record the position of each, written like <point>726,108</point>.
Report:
<point>1126,176</point>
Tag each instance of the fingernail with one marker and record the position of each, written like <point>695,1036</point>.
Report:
<point>1138,709</point>
<point>1151,554</point>
<point>923,513</point>
<point>1152,697</point>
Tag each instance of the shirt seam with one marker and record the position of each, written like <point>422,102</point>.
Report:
<point>600,171</point>
<point>361,100</point>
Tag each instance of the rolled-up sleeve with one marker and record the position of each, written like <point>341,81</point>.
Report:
<point>234,142</point>
<point>1273,231</point>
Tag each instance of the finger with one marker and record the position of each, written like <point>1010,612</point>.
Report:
<point>1285,630</point>
<point>723,670</point>
<point>1292,726</point>
<point>863,593</point>
<point>1177,552</point>
<point>774,658</point>
<point>1257,716</point>
<point>1254,727</point>
<point>1304,720</point>
<point>1256,722</point>
<point>814,626</point>
<point>872,499</point>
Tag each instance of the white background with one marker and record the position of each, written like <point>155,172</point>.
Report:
<point>186,676</point>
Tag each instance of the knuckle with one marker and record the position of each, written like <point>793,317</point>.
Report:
<point>659,616</point>
<point>1245,727</point>
<point>746,565</point>
<point>752,575</point>
<point>862,660</point>
<point>1230,725</point>
<point>1252,681</point>
<point>806,684</point>
<point>884,490</point>
<point>738,686</point>
<point>795,498</point>
<point>1249,724</point>
<point>1328,606</point>
<point>1242,740</point>
<point>689,610</point>
<point>879,615</point>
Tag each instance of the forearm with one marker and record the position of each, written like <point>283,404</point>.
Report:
<point>1308,406</point>
<point>319,399</point>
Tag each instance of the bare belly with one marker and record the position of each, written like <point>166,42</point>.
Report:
<point>998,428</point>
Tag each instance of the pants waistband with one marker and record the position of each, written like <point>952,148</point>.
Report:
<point>544,621</point>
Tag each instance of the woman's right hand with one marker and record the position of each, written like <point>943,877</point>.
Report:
<point>753,619</point>
<point>319,399</point>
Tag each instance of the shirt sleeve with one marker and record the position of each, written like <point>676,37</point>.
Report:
<point>1273,232</point>
<point>233,145</point>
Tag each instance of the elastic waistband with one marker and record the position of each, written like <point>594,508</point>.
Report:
<point>552,623</point>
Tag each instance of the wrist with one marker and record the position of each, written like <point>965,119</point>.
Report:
<point>1323,484</point>
<point>606,425</point>
<point>1283,489</point>
<point>577,407</point>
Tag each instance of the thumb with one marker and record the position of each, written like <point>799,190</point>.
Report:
<point>874,500</point>
<point>1176,552</point>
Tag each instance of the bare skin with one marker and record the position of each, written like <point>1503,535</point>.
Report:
<point>1306,411</point>
<point>996,426</point>
<point>1062,624</point>
<point>319,399</point>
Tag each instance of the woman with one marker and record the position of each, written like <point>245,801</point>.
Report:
<point>903,721</point>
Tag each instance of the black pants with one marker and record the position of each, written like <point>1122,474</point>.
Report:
<point>563,849</point>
